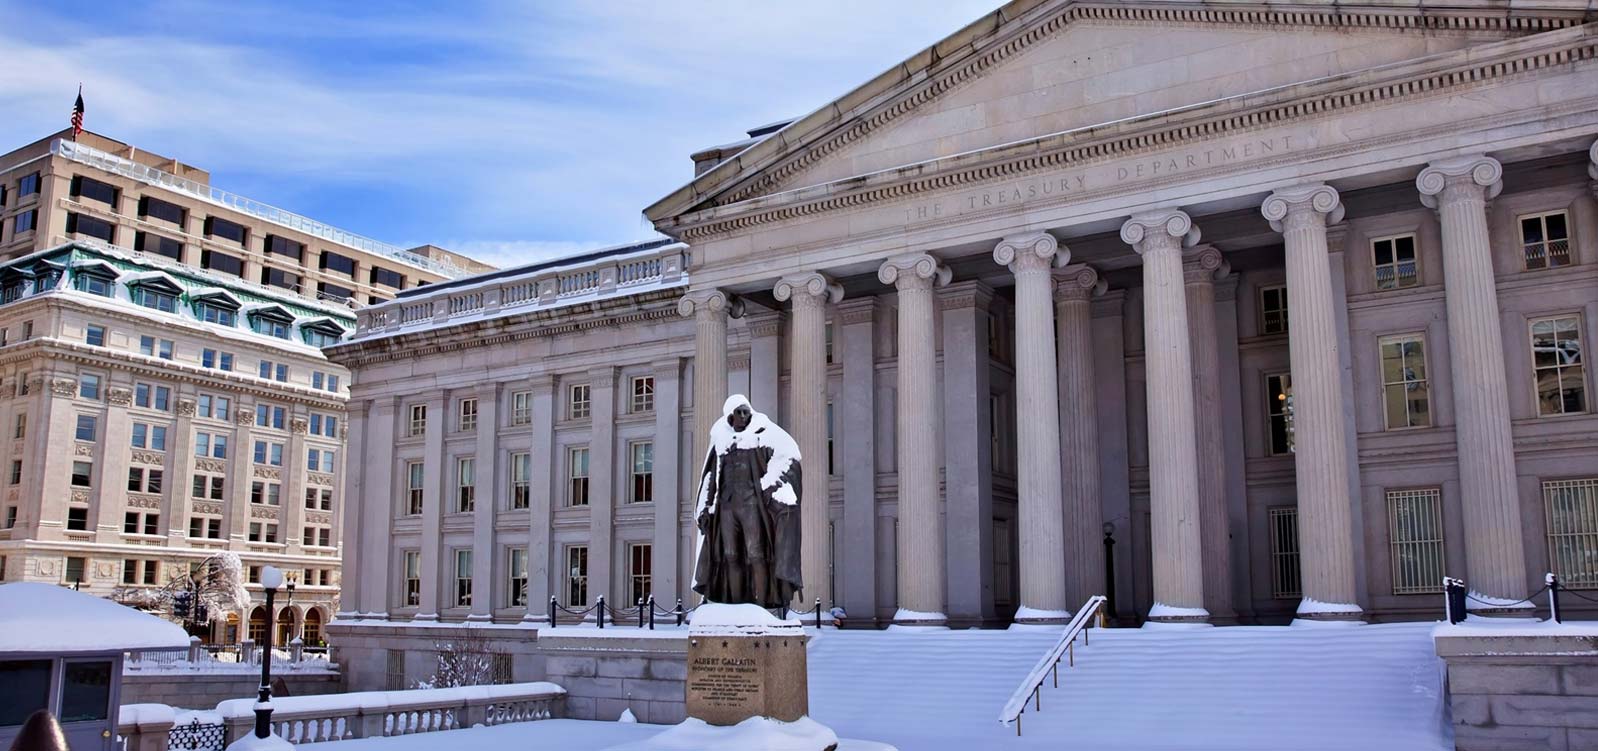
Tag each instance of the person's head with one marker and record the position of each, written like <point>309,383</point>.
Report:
<point>738,412</point>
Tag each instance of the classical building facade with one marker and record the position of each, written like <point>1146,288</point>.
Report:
<point>1234,312</point>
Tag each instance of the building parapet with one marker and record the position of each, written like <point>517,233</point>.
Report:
<point>622,271</point>
<point>93,157</point>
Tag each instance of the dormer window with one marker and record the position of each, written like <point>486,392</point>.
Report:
<point>216,306</point>
<point>96,279</point>
<point>322,332</point>
<point>15,284</point>
<point>46,275</point>
<point>158,292</point>
<point>272,321</point>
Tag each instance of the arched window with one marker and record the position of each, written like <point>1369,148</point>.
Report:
<point>312,633</point>
<point>258,625</point>
<point>285,626</point>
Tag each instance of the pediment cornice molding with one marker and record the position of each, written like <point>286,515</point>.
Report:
<point>964,56</point>
<point>1443,74</point>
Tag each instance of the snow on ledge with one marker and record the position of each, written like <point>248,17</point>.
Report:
<point>1162,610</point>
<point>761,733</point>
<point>1479,626</point>
<point>369,700</point>
<point>1312,605</point>
<point>1024,613</point>
<point>37,617</point>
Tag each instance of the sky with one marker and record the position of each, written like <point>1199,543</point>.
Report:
<point>509,131</point>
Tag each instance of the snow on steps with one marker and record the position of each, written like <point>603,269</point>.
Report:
<point>1367,688</point>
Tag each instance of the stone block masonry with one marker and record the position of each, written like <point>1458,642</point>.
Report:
<point>1522,692</point>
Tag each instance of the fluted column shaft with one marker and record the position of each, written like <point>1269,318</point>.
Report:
<point>807,404</point>
<point>1041,517</point>
<point>1079,432</point>
<point>1495,563</point>
<point>1325,512</point>
<point>709,309</point>
<point>920,539</point>
<point>1173,461</point>
<point>1199,271</point>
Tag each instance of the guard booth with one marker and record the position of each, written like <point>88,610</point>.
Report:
<point>62,650</point>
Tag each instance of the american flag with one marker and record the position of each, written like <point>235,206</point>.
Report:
<point>77,114</point>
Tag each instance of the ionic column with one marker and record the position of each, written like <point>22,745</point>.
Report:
<point>1495,565</point>
<point>1074,288</point>
<point>807,405</point>
<point>709,309</point>
<point>1320,449</point>
<point>920,564</point>
<point>1203,264</point>
<point>1159,237</point>
<point>1040,515</point>
<point>485,476</point>
<point>541,573</point>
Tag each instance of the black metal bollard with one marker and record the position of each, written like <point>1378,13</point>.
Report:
<point>640,612</point>
<point>552,608</point>
<point>1454,599</point>
<point>601,607</point>
<point>1553,597</point>
<point>818,613</point>
<point>678,611</point>
<point>651,606</point>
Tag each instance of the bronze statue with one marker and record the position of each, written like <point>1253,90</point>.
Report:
<point>748,511</point>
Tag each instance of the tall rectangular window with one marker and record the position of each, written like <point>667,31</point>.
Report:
<point>1279,413</point>
<point>467,417</point>
<point>150,346</point>
<point>88,428</point>
<point>1394,261</point>
<point>466,485</point>
<point>643,472</point>
<point>521,470</point>
<point>640,562</point>
<point>643,388</point>
<point>1557,365</point>
<point>521,408</point>
<point>576,575</point>
<point>1572,508</point>
<point>1285,577</point>
<point>1415,527</point>
<point>89,386</point>
<point>577,402</point>
<point>1545,240</point>
<point>577,470</point>
<point>1405,392</point>
<point>413,488</point>
<point>463,578</point>
<point>1273,310</point>
<point>418,424</point>
<point>516,577</point>
<point>413,578</point>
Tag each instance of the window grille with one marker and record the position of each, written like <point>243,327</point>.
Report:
<point>1394,261</point>
<point>1545,240</point>
<point>1572,507</point>
<point>1415,529</point>
<point>1286,582</point>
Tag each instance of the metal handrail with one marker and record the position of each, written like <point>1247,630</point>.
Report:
<point>1064,649</point>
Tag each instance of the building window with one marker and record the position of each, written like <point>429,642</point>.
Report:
<point>89,386</point>
<point>271,325</point>
<point>212,407</point>
<point>153,397</point>
<point>1285,579</point>
<point>577,469</point>
<point>266,493</point>
<point>136,523</point>
<point>466,415</point>
<point>1279,413</point>
<point>217,314</point>
<point>150,346</point>
<point>1545,240</point>
<point>99,229</point>
<point>269,416</point>
<point>78,518</point>
<point>269,453</point>
<point>82,474</point>
<point>319,499</point>
<point>1415,525</point>
<point>1557,366</point>
<point>413,578</point>
<point>466,485</point>
<point>24,222</point>
<point>576,575</point>
<point>1572,509</point>
<point>316,536</point>
<point>413,488</point>
<point>640,557</point>
<point>324,425</point>
<point>263,532</point>
<point>577,403</point>
<point>94,336</point>
<point>1273,310</point>
<point>830,465</point>
<point>643,394</point>
<point>829,345</point>
<point>324,381</point>
<point>94,190</point>
<point>219,227</point>
<point>207,487</point>
<point>319,460</point>
<point>463,578</point>
<point>74,569</point>
<point>153,244</point>
<point>521,470</point>
<point>19,429</point>
<point>216,360</point>
<point>205,527</point>
<point>88,428</point>
<point>521,408</point>
<point>516,576</point>
<point>282,246</point>
<point>145,480</point>
<point>16,474</point>
<point>28,185</point>
<point>334,262</point>
<point>159,209</point>
<point>149,436</point>
<point>1405,391</point>
<point>156,299</point>
<point>274,371</point>
<point>643,472</point>
<point>418,419</point>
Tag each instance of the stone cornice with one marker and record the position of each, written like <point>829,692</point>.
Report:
<point>1445,73</point>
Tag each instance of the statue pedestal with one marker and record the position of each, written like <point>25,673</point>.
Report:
<point>743,662</point>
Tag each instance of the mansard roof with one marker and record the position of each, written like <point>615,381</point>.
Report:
<point>769,165</point>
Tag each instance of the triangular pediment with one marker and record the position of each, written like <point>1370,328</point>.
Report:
<point>1036,68</point>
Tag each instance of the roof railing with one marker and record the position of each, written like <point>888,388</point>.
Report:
<point>93,157</point>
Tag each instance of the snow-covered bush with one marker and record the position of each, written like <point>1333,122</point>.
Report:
<point>468,661</point>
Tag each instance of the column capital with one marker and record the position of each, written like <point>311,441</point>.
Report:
<point>1204,264</point>
<point>1302,203</point>
<point>1032,251</point>
<point>815,285</point>
<point>1077,281</point>
<point>1592,167</point>
<point>666,368</point>
<point>542,383</point>
<point>1158,228</point>
<point>1471,170</point>
<point>914,271</point>
<point>709,302</point>
<point>602,377</point>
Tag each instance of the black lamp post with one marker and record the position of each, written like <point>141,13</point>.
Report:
<point>293,622</point>
<point>1109,569</point>
<point>271,579</point>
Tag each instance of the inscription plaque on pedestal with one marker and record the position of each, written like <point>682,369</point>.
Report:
<point>732,677</point>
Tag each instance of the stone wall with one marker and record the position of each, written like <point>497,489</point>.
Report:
<point>206,690</point>
<point>1522,692</point>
